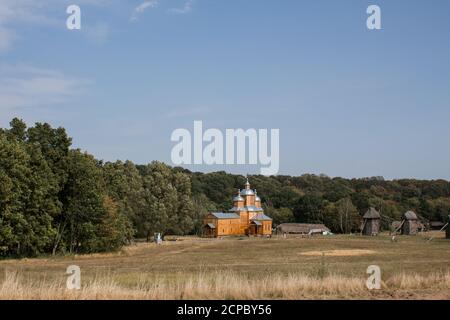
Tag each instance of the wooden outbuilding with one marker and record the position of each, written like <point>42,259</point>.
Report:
<point>371,223</point>
<point>301,228</point>
<point>410,223</point>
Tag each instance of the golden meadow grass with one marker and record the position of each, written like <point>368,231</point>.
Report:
<point>221,286</point>
<point>412,268</point>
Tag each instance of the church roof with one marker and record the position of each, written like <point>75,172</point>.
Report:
<point>221,215</point>
<point>247,208</point>
<point>247,192</point>
<point>261,217</point>
<point>253,208</point>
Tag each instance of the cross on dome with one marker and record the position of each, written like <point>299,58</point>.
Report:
<point>247,185</point>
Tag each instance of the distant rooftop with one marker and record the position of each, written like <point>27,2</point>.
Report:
<point>260,217</point>
<point>246,208</point>
<point>372,214</point>
<point>222,215</point>
<point>410,215</point>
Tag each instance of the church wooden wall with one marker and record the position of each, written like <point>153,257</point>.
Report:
<point>239,204</point>
<point>266,227</point>
<point>249,200</point>
<point>228,227</point>
<point>244,222</point>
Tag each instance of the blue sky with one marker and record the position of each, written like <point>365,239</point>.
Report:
<point>348,101</point>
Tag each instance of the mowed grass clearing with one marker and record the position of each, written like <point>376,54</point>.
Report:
<point>325,267</point>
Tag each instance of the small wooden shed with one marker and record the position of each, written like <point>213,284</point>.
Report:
<point>371,223</point>
<point>410,224</point>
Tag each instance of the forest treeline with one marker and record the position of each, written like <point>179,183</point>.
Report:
<point>59,200</point>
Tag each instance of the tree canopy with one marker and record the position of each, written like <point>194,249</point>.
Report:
<point>55,199</point>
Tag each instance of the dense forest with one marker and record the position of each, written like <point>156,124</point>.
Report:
<point>59,200</point>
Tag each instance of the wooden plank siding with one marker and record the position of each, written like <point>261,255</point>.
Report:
<point>228,227</point>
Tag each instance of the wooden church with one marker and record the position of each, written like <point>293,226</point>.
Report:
<point>245,218</point>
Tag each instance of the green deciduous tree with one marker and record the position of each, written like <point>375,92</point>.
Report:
<point>169,207</point>
<point>310,208</point>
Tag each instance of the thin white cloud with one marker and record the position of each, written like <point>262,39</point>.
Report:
<point>25,86</point>
<point>25,11</point>
<point>14,13</point>
<point>186,8</point>
<point>148,4</point>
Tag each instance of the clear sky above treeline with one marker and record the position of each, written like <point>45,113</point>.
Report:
<point>348,101</point>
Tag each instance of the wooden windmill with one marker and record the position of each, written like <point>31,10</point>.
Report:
<point>371,225</point>
<point>410,223</point>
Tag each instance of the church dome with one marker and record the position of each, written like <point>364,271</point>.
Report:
<point>247,192</point>
<point>256,197</point>
<point>238,196</point>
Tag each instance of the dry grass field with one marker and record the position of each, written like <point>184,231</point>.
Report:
<point>323,267</point>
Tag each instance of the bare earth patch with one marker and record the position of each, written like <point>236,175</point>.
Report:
<point>339,253</point>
